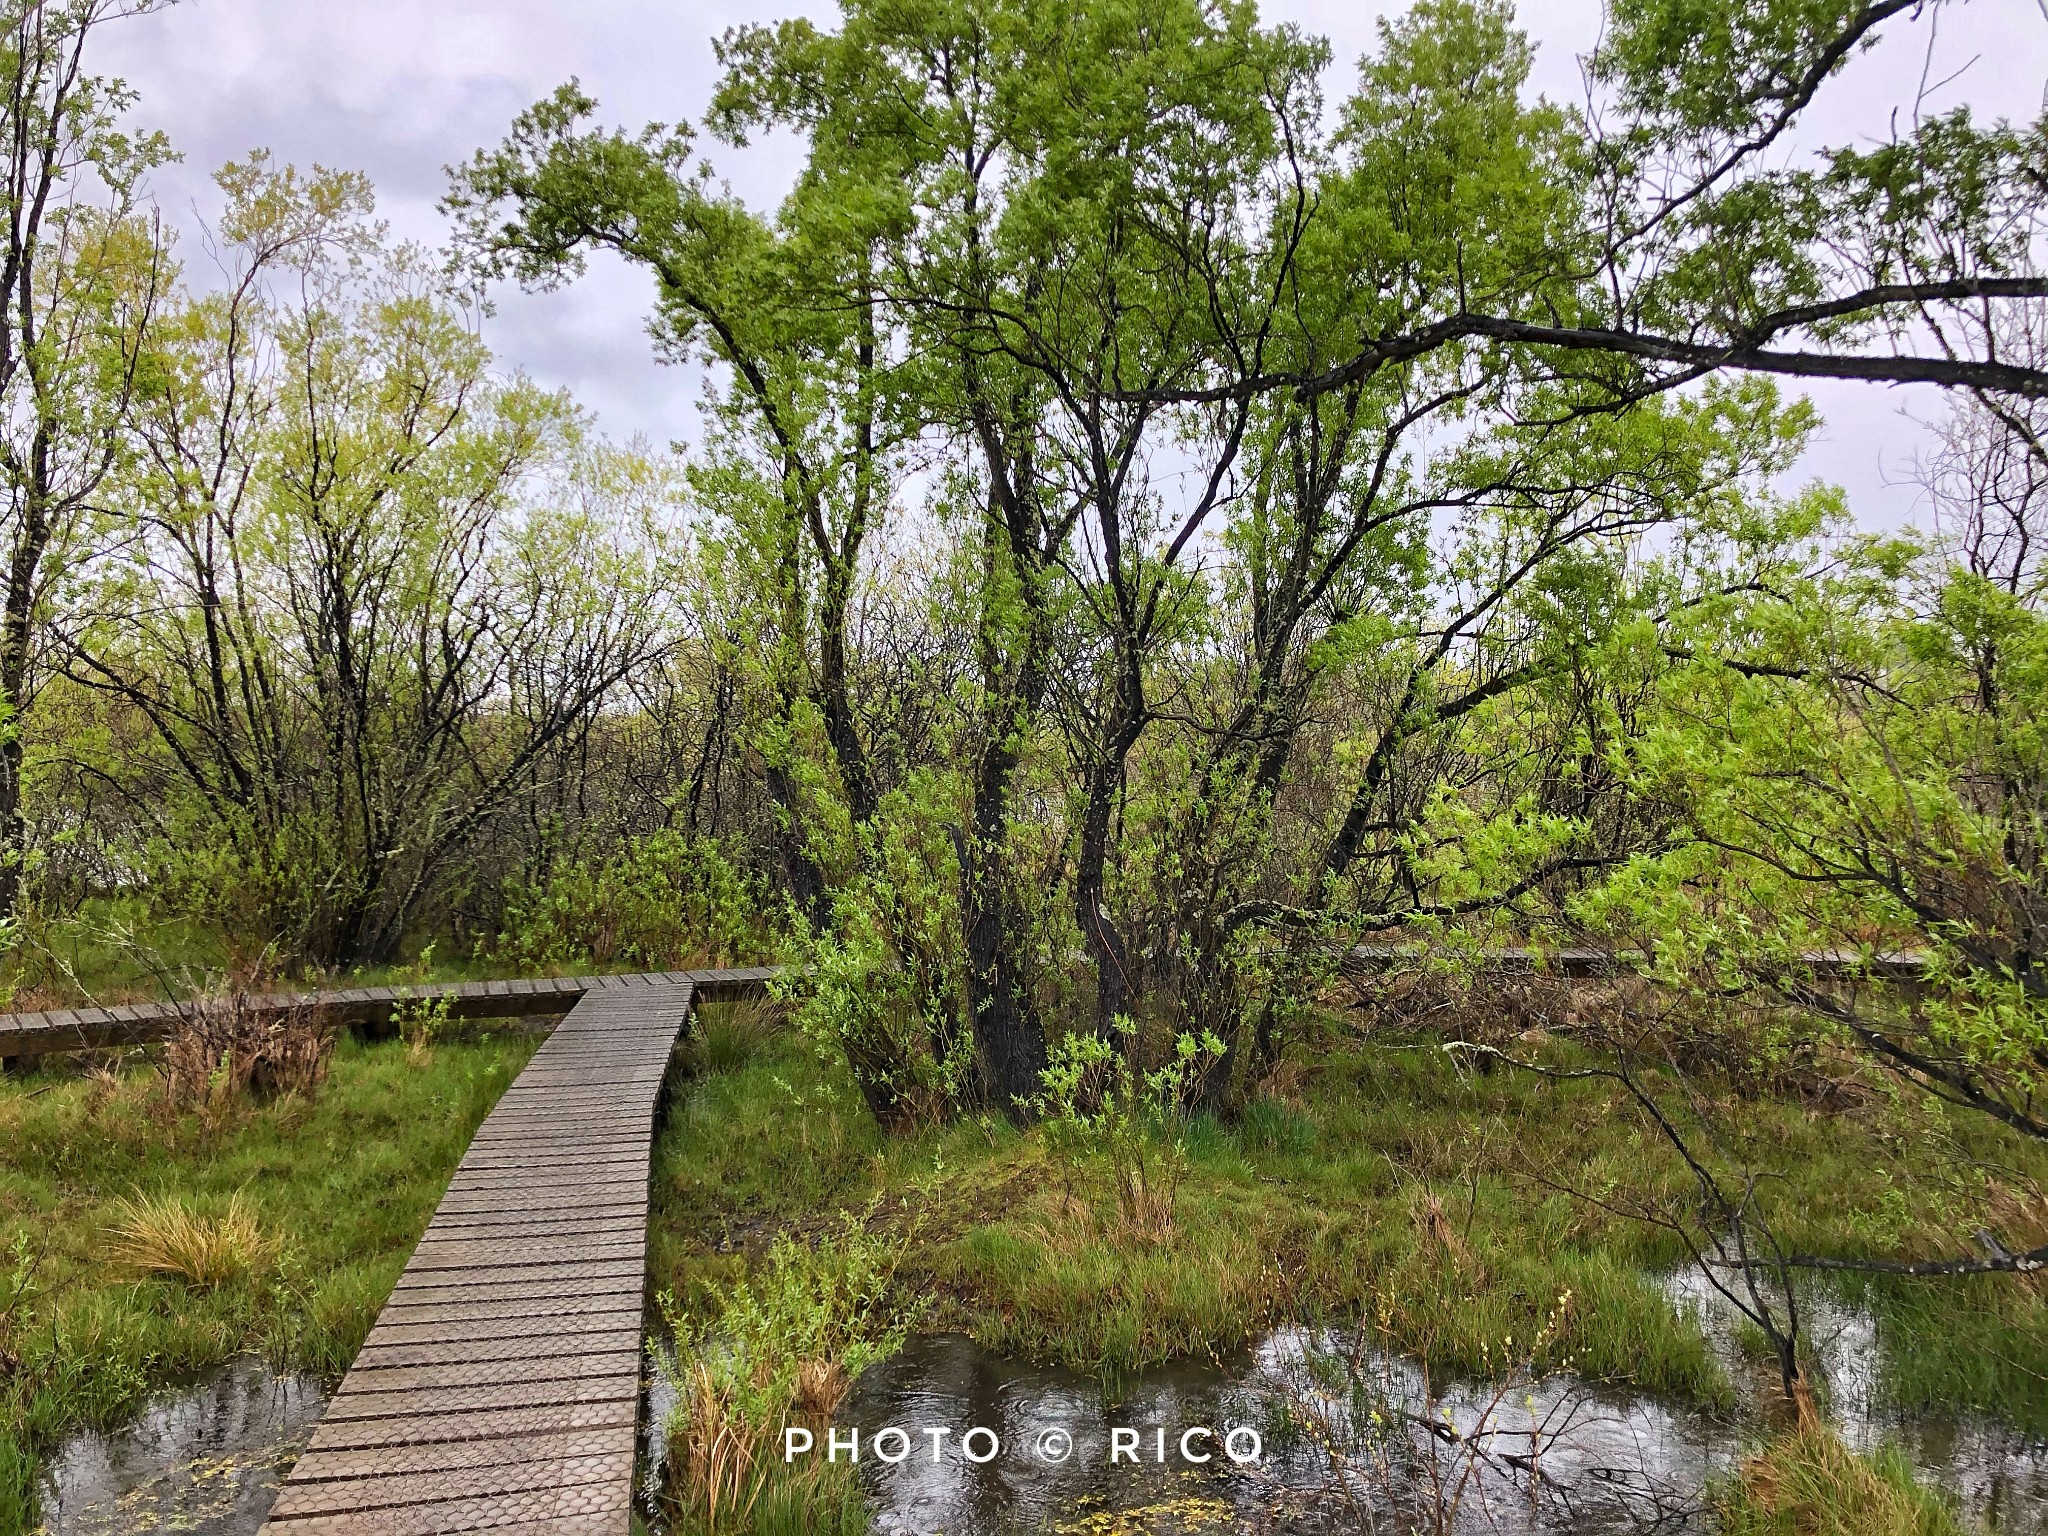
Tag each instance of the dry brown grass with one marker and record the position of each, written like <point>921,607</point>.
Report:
<point>718,1454</point>
<point>1442,1241</point>
<point>821,1386</point>
<point>164,1235</point>
<point>229,1048</point>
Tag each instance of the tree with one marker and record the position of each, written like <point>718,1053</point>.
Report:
<point>81,273</point>
<point>1859,806</point>
<point>1708,252</point>
<point>358,613</point>
<point>809,435</point>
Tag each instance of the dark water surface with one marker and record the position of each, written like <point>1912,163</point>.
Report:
<point>1347,1441</point>
<point>1358,1441</point>
<point>204,1462</point>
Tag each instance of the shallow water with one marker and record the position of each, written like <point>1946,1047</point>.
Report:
<point>203,1462</point>
<point>1359,1441</point>
<point>1336,1450</point>
<point>1341,1445</point>
<point>1994,1472</point>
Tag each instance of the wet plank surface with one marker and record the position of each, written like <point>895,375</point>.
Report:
<point>500,1388</point>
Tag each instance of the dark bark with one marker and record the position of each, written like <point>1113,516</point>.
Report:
<point>1019,544</point>
<point>22,575</point>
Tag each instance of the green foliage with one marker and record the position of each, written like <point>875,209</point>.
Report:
<point>778,1347</point>
<point>827,1299</point>
<point>666,901</point>
<point>1865,779</point>
<point>882,987</point>
<point>1096,1104</point>
<point>327,1196</point>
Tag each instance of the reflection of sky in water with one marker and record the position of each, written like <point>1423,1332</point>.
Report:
<point>1548,1456</point>
<point>1532,1456</point>
<point>1996,1473</point>
<point>204,1463</point>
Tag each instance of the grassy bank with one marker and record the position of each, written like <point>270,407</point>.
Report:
<point>291,1219</point>
<point>1807,1483</point>
<point>1384,1182</point>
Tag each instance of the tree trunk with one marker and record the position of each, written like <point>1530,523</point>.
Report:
<point>14,654</point>
<point>1009,1038</point>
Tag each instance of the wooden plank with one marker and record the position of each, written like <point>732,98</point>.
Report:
<point>28,1035</point>
<point>334,1466</point>
<point>499,1389</point>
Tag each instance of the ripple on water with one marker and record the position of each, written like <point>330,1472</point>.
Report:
<point>203,1462</point>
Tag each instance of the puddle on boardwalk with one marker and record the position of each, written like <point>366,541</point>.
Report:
<point>206,1462</point>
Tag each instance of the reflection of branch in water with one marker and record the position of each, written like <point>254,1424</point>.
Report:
<point>1387,1476</point>
<point>1649,1503</point>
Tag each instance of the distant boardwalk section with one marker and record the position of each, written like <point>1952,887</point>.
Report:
<point>500,1388</point>
<point>28,1035</point>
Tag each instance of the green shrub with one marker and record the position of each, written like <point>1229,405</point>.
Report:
<point>782,1345</point>
<point>898,1035</point>
<point>1096,1103</point>
<point>663,902</point>
<point>887,984</point>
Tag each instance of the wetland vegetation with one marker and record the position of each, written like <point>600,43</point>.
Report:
<point>1254,635</point>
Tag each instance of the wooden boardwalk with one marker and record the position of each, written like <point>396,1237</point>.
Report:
<point>26,1036</point>
<point>500,1388</point>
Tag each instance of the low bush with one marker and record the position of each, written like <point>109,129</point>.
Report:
<point>228,1048</point>
<point>778,1348</point>
<point>661,902</point>
<point>1095,1104</point>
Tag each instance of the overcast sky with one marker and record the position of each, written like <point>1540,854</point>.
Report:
<point>402,88</point>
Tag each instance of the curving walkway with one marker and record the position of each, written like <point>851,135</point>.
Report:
<point>500,1388</point>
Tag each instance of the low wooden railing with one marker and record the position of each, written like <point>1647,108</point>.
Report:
<point>24,1035</point>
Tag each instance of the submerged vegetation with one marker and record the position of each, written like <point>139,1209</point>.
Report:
<point>1189,558</point>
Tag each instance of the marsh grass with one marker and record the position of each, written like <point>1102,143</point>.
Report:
<point>337,1187</point>
<point>727,1036</point>
<point>1808,1483</point>
<point>1383,1182</point>
<point>165,1235</point>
